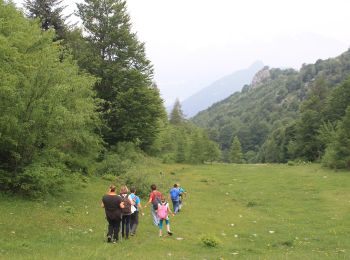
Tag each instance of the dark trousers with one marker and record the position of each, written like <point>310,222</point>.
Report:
<point>125,225</point>
<point>134,221</point>
<point>176,204</point>
<point>113,228</point>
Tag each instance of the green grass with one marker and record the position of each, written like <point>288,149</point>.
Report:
<point>252,211</point>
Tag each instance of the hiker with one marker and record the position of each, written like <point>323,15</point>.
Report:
<point>154,199</point>
<point>183,194</point>
<point>112,203</point>
<point>126,211</point>
<point>162,213</point>
<point>134,218</point>
<point>175,198</point>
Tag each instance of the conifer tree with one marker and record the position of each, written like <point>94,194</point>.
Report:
<point>176,115</point>
<point>308,145</point>
<point>49,12</point>
<point>131,107</point>
<point>236,155</point>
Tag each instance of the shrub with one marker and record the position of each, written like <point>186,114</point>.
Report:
<point>210,241</point>
<point>251,204</point>
<point>291,163</point>
<point>119,160</point>
<point>36,181</point>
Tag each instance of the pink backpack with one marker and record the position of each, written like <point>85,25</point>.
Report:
<point>162,211</point>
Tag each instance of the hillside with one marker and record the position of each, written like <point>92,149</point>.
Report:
<point>219,90</point>
<point>271,101</point>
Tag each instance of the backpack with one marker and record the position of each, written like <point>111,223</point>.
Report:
<point>156,200</point>
<point>162,211</point>
<point>174,194</point>
<point>127,205</point>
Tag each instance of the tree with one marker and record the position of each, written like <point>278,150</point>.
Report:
<point>337,153</point>
<point>308,145</point>
<point>48,112</point>
<point>176,115</point>
<point>131,106</point>
<point>49,12</point>
<point>213,152</point>
<point>236,155</point>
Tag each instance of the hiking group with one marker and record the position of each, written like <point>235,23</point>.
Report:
<point>123,209</point>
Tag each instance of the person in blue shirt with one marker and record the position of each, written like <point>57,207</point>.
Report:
<point>182,195</point>
<point>175,198</point>
<point>134,218</point>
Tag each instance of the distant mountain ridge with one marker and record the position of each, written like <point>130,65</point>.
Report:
<point>219,90</point>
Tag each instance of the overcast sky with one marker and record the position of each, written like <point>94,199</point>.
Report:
<point>192,43</point>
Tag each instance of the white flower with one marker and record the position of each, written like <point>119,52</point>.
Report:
<point>271,231</point>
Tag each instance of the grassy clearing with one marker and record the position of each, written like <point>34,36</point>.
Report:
<point>252,211</point>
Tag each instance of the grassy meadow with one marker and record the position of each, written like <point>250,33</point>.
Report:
<point>250,211</point>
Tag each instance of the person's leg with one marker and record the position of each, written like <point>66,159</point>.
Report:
<point>154,216</point>
<point>127,226</point>
<point>176,206</point>
<point>167,222</point>
<point>134,221</point>
<point>160,227</point>
<point>110,230</point>
<point>123,225</point>
<point>116,225</point>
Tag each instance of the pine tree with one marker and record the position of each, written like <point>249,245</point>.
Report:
<point>308,145</point>
<point>49,12</point>
<point>131,107</point>
<point>176,115</point>
<point>236,155</point>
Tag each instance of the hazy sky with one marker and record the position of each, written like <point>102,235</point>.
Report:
<point>195,42</point>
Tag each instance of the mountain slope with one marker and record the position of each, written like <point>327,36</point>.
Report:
<point>271,101</point>
<point>219,90</point>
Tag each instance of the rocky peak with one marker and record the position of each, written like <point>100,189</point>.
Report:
<point>261,76</point>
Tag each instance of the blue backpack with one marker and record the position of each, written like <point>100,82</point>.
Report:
<point>174,194</point>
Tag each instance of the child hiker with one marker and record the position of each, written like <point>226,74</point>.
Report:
<point>162,213</point>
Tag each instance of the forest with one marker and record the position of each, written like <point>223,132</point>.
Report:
<point>82,101</point>
<point>287,116</point>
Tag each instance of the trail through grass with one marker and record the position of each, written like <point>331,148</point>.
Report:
<point>253,211</point>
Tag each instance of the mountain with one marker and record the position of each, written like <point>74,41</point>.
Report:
<point>219,90</point>
<point>270,102</point>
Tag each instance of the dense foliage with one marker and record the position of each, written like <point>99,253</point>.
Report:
<point>81,101</point>
<point>47,108</point>
<point>285,114</point>
<point>181,141</point>
<point>132,107</point>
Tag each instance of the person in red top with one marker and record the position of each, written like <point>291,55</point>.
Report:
<point>154,199</point>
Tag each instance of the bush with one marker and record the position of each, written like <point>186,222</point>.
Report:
<point>35,181</point>
<point>210,241</point>
<point>291,163</point>
<point>119,160</point>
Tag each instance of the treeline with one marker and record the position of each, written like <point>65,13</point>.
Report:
<point>78,101</point>
<point>287,115</point>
